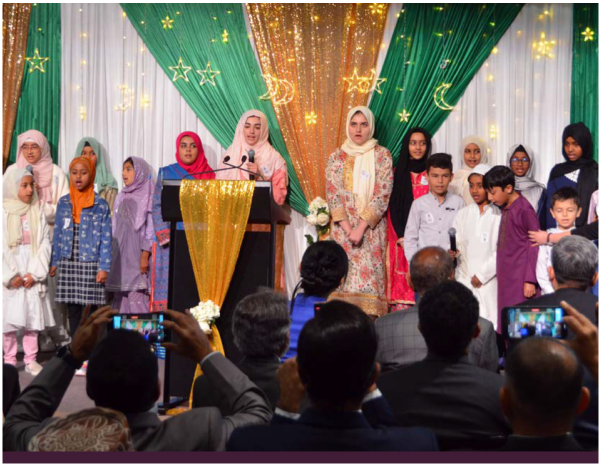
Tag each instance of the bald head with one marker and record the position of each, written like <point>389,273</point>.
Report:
<point>544,379</point>
<point>429,267</point>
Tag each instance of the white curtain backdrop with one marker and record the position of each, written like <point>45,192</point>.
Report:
<point>100,52</point>
<point>527,99</point>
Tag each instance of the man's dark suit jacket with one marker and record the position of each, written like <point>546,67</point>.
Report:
<point>261,371</point>
<point>373,430</point>
<point>401,342</point>
<point>555,443</point>
<point>197,429</point>
<point>584,302</point>
<point>458,401</point>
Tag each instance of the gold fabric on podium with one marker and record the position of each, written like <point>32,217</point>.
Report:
<point>215,214</point>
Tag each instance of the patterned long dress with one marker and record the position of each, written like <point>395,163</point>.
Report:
<point>365,284</point>
<point>400,295</point>
<point>160,251</point>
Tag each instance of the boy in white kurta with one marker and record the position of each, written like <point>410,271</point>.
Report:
<point>565,208</point>
<point>477,227</point>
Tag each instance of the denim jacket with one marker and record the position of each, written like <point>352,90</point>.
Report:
<point>95,233</point>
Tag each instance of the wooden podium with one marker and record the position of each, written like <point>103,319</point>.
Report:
<point>255,267</point>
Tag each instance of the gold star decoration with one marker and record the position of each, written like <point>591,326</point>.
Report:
<point>493,131</point>
<point>354,81</point>
<point>180,71</point>
<point>225,36</point>
<point>588,34</point>
<point>208,75</point>
<point>37,62</point>
<point>167,22</point>
<point>544,47</point>
<point>404,116</point>
<point>311,118</point>
<point>376,82</point>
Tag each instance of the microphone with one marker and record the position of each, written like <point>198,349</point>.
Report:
<point>251,160</point>
<point>452,234</point>
<point>225,160</point>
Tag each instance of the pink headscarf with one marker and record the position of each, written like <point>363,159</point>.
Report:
<point>42,170</point>
<point>201,164</point>
<point>268,159</point>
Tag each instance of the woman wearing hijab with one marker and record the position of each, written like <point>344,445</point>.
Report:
<point>191,161</point>
<point>521,160</point>
<point>51,184</point>
<point>50,181</point>
<point>473,151</point>
<point>133,236</point>
<point>105,185</point>
<point>25,265</point>
<point>579,171</point>
<point>410,183</point>
<point>359,184</point>
<point>252,133</point>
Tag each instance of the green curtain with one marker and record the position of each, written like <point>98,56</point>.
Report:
<point>434,44</point>
<point>584,75</point>
<point>198,36</point>
<point>39,103</point>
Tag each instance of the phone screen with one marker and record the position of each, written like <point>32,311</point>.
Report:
<point>148,325</point>
<point>524,322</point>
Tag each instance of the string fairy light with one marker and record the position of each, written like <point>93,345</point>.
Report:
<point>588,34</point>
<point>311,118</point>
<point>208,75</point>
<point>36,62</point>
<point>544,47</point>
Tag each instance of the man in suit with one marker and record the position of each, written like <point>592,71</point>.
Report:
<point>261,330</point>
<point>573,273</point>
<point>542,395</point>
<point>401,343</point>
<point>123,375</point>
<point>445,392</point>
<point>336,367</point>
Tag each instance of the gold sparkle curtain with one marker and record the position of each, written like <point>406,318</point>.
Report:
<point>15,27</point>
<point>306,51</point>
<point>215,214</point>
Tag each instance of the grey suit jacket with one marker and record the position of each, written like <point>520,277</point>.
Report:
<point>197,429</point>
<point>401,343</point>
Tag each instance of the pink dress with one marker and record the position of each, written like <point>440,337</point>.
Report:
<point>399,294</point>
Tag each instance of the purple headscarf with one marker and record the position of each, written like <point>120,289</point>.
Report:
<point>130,213</point>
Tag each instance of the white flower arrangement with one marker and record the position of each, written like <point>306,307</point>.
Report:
<point>319,217</point>
<point>206,314</point>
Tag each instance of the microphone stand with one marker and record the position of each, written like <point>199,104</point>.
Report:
<point>247,171</point>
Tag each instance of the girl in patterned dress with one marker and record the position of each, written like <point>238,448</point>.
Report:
<point>25,262</point>
<point>410,183</point>
<point>359,183</point>
<point>81,249</point>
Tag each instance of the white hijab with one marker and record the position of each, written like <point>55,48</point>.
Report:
<point>460,183</point>
<point>364,164</point>
<point>15,208</point>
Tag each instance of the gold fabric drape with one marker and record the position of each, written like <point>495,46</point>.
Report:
<point>215,214</point>
<point>15,27</point>
<point>306,50</point>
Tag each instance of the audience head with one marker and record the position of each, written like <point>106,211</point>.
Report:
<point>448,319</point>
<point>577,142</point>
<point>543,389</point>
<point>261,324</point>
<point>574,263</point>
<point>429,267</point>
<point>475,179</point>
<point>336,356</point>
<point>474,150</point>
<point>499,182</point>
<point>565,207</point>
<point>122,373</point>
<point>324,266</point>
<point>439,173</point>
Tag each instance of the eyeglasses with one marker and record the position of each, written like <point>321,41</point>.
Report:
<point>516,161</point>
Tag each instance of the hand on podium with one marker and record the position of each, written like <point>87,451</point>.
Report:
<point>193,343</point>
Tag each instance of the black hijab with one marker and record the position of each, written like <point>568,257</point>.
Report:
<point>402,193</point>
<point>587,182</point>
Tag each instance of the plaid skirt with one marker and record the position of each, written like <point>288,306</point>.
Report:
<point>77,280</point>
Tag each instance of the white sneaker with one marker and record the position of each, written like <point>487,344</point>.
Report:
<point>33,368</point>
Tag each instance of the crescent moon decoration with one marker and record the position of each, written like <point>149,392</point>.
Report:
<point>126,98</point>
<point>279,91</point>
<point>438,97</point>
